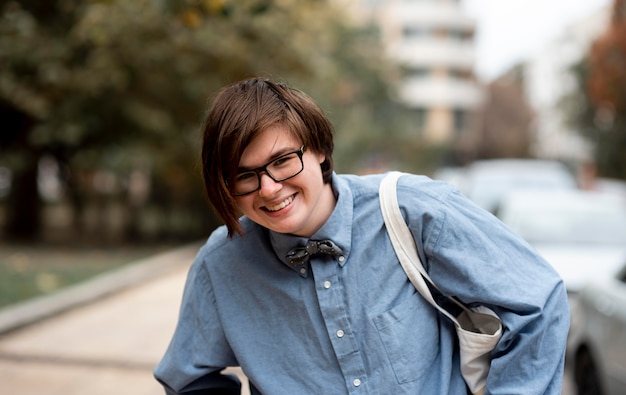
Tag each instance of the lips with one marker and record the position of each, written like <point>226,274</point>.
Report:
<point>280,205</point>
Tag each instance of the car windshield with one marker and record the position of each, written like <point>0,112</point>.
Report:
<point>489,182</point>
<point>488,190</point>
<point>583,225</point>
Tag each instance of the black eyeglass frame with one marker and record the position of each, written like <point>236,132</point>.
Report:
<point>263,169</point>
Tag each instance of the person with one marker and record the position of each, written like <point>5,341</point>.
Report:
<point>345,320</point>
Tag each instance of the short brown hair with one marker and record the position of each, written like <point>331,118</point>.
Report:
<point>238,114</point>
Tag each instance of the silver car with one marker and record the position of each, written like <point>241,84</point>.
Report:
<point>582,235</point>
<point>486,182</point>
<point>598,355</point>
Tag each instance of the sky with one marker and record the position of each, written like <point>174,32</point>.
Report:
<point>509,31</point>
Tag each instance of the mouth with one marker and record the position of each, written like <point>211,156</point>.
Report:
<point>280,205</point>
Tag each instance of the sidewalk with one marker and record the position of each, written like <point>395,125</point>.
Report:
<point>108,342</point>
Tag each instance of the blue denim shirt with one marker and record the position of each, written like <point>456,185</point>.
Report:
<point>354,324</point>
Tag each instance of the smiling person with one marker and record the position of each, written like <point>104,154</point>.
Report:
<point>302,288</point>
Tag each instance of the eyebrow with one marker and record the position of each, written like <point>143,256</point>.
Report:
<point>272,158</point>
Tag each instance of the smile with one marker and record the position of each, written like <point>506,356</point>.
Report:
<point>281,205</point>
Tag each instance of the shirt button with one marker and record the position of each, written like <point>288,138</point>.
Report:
<point>340,333</point>
<point>303,271</point>
<point>326,284</point>
<point>356,382</point>
<point>341,258</point>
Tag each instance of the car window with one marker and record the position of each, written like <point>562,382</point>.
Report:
<point>584,225</point>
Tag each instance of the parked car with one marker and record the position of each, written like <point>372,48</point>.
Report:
<point>599,354</point>
<point>452,175</point>
<point>610,185</point>
<point>582,234</point>
<point>486,182</point>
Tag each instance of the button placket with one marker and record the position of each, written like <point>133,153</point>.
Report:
<point>332,303</point>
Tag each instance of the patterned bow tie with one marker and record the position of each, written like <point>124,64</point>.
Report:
<point>299,255</point>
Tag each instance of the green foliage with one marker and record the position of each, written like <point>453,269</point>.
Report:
<point>597,108</point>
<point>112,84</point>
<point>602,126</point>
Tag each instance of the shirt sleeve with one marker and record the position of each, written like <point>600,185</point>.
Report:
<point>472,255</point>
<point>198,351</point>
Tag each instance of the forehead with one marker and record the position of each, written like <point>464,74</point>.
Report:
<point>268,144</point>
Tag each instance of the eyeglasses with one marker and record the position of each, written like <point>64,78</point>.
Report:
<point>280,169</point>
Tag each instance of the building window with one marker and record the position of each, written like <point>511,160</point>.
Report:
<point>460,74</point>
<point>460,121</point>
<point>420,117</point>
<point>459,35</point>
<point>415,32</point>
<point>419,72</point>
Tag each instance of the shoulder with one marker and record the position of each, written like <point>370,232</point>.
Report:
<point>420,187</point>
<point>430,202</point>
<point>221,248</point>
<point>411,187</point>
<point>359,184</point>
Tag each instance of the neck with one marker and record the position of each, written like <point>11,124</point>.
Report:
<point>324,210</point>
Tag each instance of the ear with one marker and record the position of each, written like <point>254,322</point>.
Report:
<point>321,158</point>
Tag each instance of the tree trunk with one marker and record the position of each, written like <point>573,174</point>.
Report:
<point>24,204</point>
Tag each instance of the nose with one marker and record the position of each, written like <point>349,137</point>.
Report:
<point>268,186</point>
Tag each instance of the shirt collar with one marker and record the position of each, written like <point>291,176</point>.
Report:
<point>337,228</point>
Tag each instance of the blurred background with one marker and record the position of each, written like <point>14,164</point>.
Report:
<point>101,103</point>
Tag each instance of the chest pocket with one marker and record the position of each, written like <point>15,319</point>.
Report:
<point>410,335</point>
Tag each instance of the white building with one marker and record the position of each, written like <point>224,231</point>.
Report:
<point>548,79</point>
<point>433,43</point>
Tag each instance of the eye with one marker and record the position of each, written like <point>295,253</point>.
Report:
<point>243,177</point>
<point>283,160</point>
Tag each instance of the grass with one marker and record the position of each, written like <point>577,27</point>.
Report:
<point>27,271</point>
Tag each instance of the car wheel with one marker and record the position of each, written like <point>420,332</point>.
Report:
<point>586,375</point>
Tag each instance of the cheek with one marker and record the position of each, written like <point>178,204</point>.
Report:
<point>244,204</point>
<point>313,164</point>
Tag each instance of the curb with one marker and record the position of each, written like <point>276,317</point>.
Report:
<point>34,310</point>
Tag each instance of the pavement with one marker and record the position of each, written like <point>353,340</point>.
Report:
<point>102,337</point>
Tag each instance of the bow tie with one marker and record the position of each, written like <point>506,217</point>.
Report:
<point>299,255</point>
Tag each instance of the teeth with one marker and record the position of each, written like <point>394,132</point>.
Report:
<point>282,205</point>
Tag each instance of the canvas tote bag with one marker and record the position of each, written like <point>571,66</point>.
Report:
<point>478,329</point>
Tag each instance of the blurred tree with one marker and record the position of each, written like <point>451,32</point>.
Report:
<point>598,109</point>
<point>115,85</point>
<point>91,95</point>
<point>505,131</point>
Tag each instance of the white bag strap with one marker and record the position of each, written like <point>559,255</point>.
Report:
<point>404,244</point>
<point>478,331</point>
